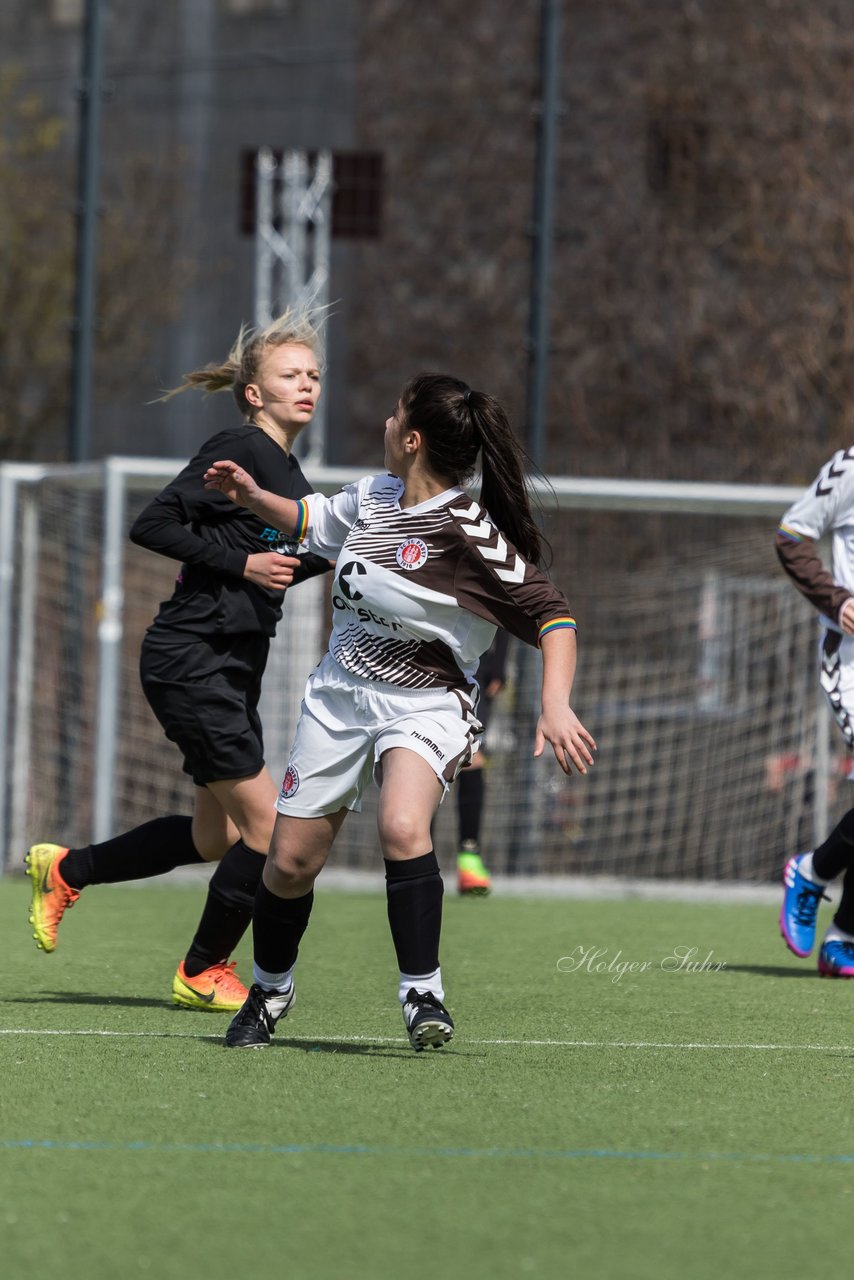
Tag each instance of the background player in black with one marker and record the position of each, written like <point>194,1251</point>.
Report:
<point>202,662</point>
<point>473,879</point>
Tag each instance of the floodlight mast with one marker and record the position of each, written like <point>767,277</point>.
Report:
<point>293,233</point>
<point>526,838</point>
<point>539,321</point>
<point>90,92</point>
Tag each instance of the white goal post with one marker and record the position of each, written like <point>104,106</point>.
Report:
<point>697,676</point>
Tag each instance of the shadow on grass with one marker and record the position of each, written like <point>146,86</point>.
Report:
<point>210,1034</point>
<point>378,1049</point>
<point>362,1048</point>
<point>772,971</point>
<point>90,997</point>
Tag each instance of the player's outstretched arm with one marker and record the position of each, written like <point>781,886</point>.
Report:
<point>558,724</point>
<point>238,485</point>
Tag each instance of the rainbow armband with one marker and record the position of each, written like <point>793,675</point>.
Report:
<point>556,624</point>
<point>302,519</point>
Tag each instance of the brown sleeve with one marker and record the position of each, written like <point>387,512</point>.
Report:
<point>803,565</point>
<point>520,601</point>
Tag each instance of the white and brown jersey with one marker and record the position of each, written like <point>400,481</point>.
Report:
<point>827,506</point>
<point>418,592</point>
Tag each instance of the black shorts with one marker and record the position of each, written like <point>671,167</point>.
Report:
<point>205,692</point>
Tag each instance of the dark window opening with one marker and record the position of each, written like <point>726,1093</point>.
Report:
<point>357,193</point>
<point>677,142</point>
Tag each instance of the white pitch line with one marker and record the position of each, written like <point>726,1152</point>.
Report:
<point>552,1044</point>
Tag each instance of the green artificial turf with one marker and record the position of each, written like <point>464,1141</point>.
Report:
<point>655,1122</point>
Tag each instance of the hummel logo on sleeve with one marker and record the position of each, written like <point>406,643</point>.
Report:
<point>498,552</point>
<point>466,513</point>
<point>516,574</point>
<point>484,531</point>
<point>833,473</point>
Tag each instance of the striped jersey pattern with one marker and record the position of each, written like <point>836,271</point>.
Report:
<point>418,592</point>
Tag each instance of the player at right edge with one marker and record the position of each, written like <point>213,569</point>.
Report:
<point>826,507</point>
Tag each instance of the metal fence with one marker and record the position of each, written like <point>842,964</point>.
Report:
<point>696,675</point>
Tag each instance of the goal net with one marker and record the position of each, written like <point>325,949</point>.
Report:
<point>697,677</point>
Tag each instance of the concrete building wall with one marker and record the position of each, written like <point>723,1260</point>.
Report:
<point>191,84</point>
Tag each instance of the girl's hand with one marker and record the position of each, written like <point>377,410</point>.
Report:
<point>271,570</point>
<point>846,617</point>
<point>569,739</point>
<point>233,481</point>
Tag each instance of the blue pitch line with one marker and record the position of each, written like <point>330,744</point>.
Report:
<point>358,1149</point>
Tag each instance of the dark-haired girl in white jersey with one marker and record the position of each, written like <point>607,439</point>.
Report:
<point>424,574</point>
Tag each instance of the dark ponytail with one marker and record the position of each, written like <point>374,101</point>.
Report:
<point>456,424</point>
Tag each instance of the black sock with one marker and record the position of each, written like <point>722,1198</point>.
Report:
<point>469,786</point>
<point>414,894</point>
<point>150,850</point>
<point>844,917</point>
<point>228,908</point>
<point>837,852</point>
<point>277,928</point>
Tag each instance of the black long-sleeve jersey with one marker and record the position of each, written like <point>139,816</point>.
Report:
<point>213,537</point>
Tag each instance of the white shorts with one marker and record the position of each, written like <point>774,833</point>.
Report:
<point>346,724</point>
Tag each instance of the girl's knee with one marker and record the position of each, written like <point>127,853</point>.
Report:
<point>404,834</point>
<point>287,878</point>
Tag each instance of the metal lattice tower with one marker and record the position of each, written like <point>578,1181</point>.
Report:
<point>293,231</point>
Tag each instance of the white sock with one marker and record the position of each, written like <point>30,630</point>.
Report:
<point>835,934</point>
<point>422,982</point>
<point>805,869</point>
<point>278,982</point>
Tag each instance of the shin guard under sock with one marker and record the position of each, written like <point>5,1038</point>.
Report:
<point>150,850</point>
<point>844,915</point>
<point>414,896</point>
<point>277,928</point>
<point>837,852</point>
<point>228,908</point>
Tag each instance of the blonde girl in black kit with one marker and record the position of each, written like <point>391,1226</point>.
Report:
<point>202,662</point>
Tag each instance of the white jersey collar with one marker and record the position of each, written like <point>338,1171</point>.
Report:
<point>430,504</point>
